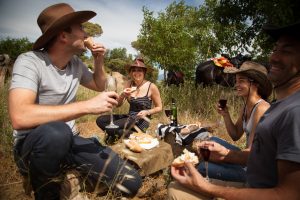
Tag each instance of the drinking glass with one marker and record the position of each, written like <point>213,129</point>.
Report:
<point>223,100</point>
<point>168,112</point>
<point>111,85</point>
<point>205,153</point>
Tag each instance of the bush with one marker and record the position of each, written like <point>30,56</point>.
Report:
<point>14,47</point>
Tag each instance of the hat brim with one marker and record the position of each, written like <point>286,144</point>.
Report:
<point>148,69</point>
<point>275,32</point>
<point>60,24</point>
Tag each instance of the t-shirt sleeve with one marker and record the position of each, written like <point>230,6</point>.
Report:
<point>289,136</point>
<point>25,73</point>
<point>87,75</point>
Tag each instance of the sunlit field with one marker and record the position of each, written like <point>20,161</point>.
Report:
<point>195,105</point>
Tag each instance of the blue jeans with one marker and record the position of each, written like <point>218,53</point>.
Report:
<point>224,171</point>
<point>51,148</point>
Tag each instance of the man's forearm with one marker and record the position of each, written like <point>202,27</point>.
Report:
<point>34,115</point>
<point>243,193</point>
<point>237,157</point>
<point>99,74</point>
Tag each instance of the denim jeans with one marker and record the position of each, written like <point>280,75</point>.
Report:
<point>224,171</point>
<point>51,148</point>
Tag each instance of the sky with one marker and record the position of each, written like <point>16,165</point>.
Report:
<point>120,19</point>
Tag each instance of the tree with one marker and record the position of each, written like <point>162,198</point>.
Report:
<point>166,40</point>
<point>93,30</point>
<point>182,36</point>
<point>14,47</point>
<point>248,16</point>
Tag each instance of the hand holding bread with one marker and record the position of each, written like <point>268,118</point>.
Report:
<point>88,43</point>
<point>187,156</point>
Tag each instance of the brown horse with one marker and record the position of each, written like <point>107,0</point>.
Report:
<point>208,73</point>
<point>175,77</point>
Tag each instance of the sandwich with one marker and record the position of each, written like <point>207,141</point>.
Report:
<point>187,156</point>
<point>130,90</point>
<point>88,43</point>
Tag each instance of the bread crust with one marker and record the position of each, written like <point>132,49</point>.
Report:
<point>187,156</point>
<point>88,43</point>
<point>134,146</point>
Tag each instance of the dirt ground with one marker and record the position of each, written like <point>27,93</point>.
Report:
<point>154,186</point>
<point>11,183</point>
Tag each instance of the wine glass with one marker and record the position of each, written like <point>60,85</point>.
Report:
<point>168,112</point>
<point>222,100</point>
<point>111,85</point>
<point>205,153</point>
<point>222,103</point>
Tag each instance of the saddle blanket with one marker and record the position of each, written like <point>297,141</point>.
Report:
<point>182,139</point>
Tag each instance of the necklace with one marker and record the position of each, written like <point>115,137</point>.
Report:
<point>138,89</point>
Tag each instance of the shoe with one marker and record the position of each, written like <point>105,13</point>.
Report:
<point>27,185</point>
<point>70,188</point>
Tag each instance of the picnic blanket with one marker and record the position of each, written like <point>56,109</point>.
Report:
<point>148,161</point>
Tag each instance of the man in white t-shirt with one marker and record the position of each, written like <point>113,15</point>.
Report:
<point>43,108</point>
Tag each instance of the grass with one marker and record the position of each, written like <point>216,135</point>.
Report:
<point>194,105</point>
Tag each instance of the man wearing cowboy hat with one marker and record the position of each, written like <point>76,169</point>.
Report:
<point>43,107</point>
<point>273,164</point>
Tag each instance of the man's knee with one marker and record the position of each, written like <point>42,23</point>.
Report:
<point>59,134</point>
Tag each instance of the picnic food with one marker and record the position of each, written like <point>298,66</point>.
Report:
<point>133,146</point>
<point>88,42</point>
<point>189,129</point>
<point>137,142</point>
<point>141,138</point>
<point>130,90</point>
<point>187,156</point>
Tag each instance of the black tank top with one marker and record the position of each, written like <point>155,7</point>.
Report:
<point>136,105</point>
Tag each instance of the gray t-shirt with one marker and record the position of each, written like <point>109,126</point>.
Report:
<point>33,70</point>
<point>277,137</point>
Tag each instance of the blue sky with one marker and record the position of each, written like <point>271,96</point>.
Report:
<point>120,19</point>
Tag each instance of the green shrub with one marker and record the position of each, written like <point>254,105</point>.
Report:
<point>6,139</point>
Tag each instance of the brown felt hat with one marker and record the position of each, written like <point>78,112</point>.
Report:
<point>138,62</point>
<point>256,72</point>
<point>56,18</point>
<point>275,31</point>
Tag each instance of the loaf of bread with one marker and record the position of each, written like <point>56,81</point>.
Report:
<point>187,156</point>
<point>133,146</point>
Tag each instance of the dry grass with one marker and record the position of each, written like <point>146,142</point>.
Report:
<point>194,105</point>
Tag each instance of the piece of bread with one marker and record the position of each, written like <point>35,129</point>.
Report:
<point>133,146</point>
<point>130,90</point>
<point>141,138</point>
<point>187,156</point>
<point>88,43</point>
<point>189,129</point>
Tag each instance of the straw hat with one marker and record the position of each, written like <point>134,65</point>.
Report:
<point>138,62</point>
<point>275,31</point>
<point>255,72</point>
<point>56,18</point>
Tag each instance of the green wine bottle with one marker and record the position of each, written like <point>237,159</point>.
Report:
<point>174,113</point>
